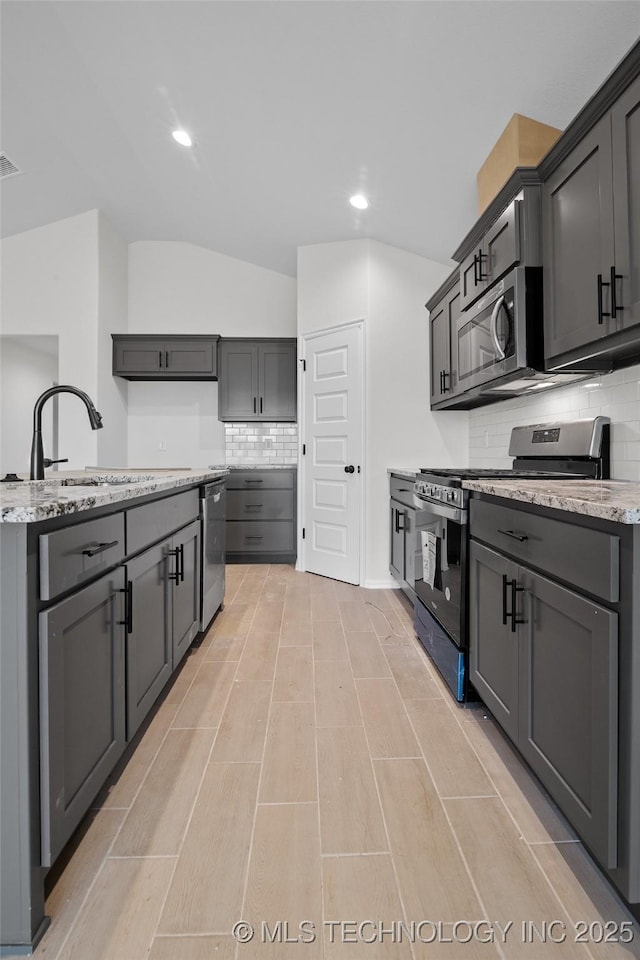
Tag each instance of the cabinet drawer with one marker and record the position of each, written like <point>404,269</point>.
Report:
<point>260,480</point>
<point>400,488</point>
<point>152,521</point>
<point>260,504</point>
<point>75,554</point>
<point>587,558</point>
<point>259,536</point>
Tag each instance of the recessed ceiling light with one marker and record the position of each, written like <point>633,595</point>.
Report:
<point>182,137</point>
<point>359,201</point>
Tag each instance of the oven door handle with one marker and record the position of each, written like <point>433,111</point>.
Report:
<point>494,328</point>
<point>454,514</point>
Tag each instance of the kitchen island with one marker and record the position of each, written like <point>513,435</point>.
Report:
<point>100,600</point>
<point>554,643</point>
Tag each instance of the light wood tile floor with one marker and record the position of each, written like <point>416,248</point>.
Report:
<point>308,772</point>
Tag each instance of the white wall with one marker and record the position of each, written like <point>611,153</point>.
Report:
<point>27,369</point>
<point>616,395</point>
<point>387,288</point>
<point>50,287</point>
<point>112,318</point>
<point>181,288</point>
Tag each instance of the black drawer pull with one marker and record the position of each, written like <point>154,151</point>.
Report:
<point>128,607</point>
<point>181,558</point>
<point>521,537</point>
<point>253,506</point>
<point>94,551</point>
<point>253,536</point>
<point>176,575</point>
<point>254,481</point>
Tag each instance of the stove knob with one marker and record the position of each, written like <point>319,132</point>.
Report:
<point>451,495</point>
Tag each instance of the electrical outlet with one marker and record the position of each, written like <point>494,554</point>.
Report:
<point>162,445</point>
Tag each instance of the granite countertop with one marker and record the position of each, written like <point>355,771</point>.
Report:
<point>259,465</point>
<point>33,500</point>
<point>617,500</point>
<point>403,472</point>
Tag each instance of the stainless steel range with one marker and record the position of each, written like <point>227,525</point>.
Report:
<point>575,449</point>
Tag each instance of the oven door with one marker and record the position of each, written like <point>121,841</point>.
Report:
<point>489,339</point>
<point>440,573</point>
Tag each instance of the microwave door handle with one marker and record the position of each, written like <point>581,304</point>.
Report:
<point>494,328</point>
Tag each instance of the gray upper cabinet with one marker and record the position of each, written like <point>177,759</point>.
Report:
<point>442,319</point>
<point>165,357</point>
<point>591,229</point>
<point>625,130</point>
<point>577,214</point>
<point>258,380</point>
<point>497,252</point>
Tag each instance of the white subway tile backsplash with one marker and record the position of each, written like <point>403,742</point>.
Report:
<point>256,442</point>
<point>616,397</point>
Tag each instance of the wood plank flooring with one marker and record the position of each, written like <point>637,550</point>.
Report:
<point>308,772</point>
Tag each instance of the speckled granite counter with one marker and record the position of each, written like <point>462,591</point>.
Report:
<point>33,500</point>
<point>402,472</point>
<point>617,500</point>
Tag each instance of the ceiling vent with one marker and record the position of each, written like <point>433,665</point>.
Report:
<point>7,167</point>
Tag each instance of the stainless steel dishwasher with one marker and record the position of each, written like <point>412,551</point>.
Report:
<point>213,498</point>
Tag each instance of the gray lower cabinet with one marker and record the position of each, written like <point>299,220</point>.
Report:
<point>261,516</point>
<point>396,541</point>
<point>82,704</point>
<point>544,659</point>
<point>404,546</point>
<point>258,380</point>
<point>163,617</point>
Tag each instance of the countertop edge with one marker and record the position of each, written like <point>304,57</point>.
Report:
<point>614,500</point>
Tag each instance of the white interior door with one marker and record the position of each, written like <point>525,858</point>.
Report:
<point>333,432</point>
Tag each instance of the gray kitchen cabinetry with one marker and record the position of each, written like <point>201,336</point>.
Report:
<point>544,656</point>
<point>591,212</point>
<point>494,254</point>
<point>404,546</point>
<point>444,310</point>
<point>261,516</point>
<point>163,614</point>
<point>147,357</point>
<point>257,380</point>
<point>82,704</point>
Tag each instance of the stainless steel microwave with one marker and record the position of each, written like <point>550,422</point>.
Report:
<point>497,344</point>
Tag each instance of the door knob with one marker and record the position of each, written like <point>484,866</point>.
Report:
<point>350,469</point>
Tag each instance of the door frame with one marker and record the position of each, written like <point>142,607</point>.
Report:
<point>301,563</point>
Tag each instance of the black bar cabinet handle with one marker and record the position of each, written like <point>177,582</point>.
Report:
<point>93,551</point>
<point>181,563</point>
<point>505,584</point>
<point>401,516</point>
<point>160,358</point>
<point>253,537</point>
<point>601,312</point>
<point>175,553</point>
<point>260,404</point>
<point>521,537</point>
<point>166,359</point>
<point>481,256</point>
<point>615,306</point>
<point>475,270</point>
<point>515,619</point>
<point>254,404</point>
<point>248,480</point>
<point>128,607</point>
<point>445,374</point>
<point>253,506</point>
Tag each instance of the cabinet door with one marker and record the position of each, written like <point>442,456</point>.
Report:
<point>569,704</point>
<point>186,590</point>
<point>82,704</point>
<point>453,310</point>
<point>473,277</point>
<point>440,347</point>
<point>190,356</point>
<point>138,356</point>
<point>577,213</point>
<point>501,243</point>
<point>238,381</point>
<point>411,548</point>
<point>277,381</point>
<point>625,120</point>
<point>396,559</point>
<point>149,655</point>
<point>493,645</point>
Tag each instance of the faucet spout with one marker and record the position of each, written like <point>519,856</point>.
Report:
<point>37,450</point>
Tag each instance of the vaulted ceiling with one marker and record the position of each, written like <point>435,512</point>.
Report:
<point>293,107</point>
